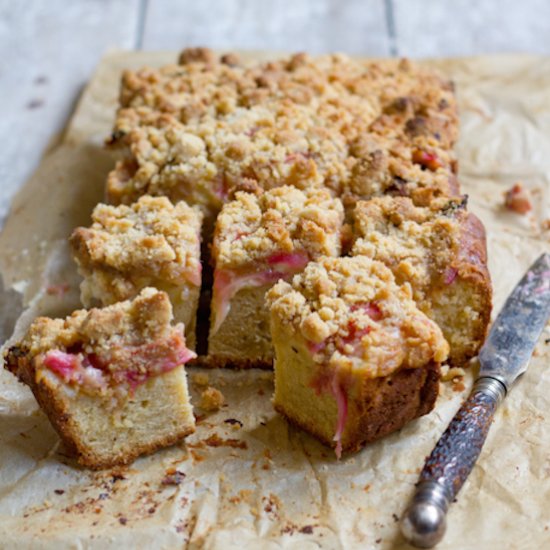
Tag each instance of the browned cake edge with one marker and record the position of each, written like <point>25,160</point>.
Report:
<point>381,406</point>
<point>471,266</point>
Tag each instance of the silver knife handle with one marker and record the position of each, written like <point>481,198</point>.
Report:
<point>450,463</point>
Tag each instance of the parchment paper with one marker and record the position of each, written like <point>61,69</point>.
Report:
<point>266,485</point>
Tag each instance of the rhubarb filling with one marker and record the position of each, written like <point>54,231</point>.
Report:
<point>227,282</point>
<point>332,380</point>
<point>129,365</point>
<point>194,276</point>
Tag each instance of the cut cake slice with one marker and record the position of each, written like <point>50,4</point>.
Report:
<point>354,357</point>
<point>259,240</point>
<point>149,243</point>
<point>111,381</point>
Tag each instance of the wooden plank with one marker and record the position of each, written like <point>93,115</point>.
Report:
<point>352,26</point>
<point>429,28</point>
<point>49,50</point>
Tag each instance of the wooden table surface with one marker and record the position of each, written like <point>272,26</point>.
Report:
<point>48,48</point>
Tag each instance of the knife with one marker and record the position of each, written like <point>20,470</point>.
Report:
<point>503,358</point>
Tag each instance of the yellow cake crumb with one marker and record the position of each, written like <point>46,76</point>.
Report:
<point>212,399</point>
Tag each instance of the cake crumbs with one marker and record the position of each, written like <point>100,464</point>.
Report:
<point>518,199</point>
<point>212,399</point>
<point>216,441</point>
<point>458,385</point>
<point>234,423</point>
<point>201,378</point>
<point>450,373</point>
<point>197,457</point>
<point>242,495</point>
<point>173,477</point>
<point>58,289</point>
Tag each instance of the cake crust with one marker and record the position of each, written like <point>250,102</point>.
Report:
<point>60,413</point>
<point>383,405</point>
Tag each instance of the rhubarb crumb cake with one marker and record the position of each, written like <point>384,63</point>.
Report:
<point>354,357</point>
<point>149,243</point>
<point>110,380</point>
<point>259,240</point>
<point>441,252</point>
<point>203,128</point>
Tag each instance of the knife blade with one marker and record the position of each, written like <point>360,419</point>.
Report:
<point>515,332</point>
<point>503,358</point>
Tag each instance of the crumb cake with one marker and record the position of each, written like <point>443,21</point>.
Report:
<point>355,359</point>
<point>110,380</point>
<point>204,128</point>
<point>149,243</point>
<point>441,252</point>
<point>259,240</point>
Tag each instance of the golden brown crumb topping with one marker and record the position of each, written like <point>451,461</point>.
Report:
<point>285,220</point>
<point>418,244</point>
<point>327,122</point>
<point>211,399</point>
<point>151,238</point>
<point>100,350</point>
<point>350,313</point>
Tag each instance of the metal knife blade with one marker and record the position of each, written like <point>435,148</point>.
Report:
<point>519,324</point>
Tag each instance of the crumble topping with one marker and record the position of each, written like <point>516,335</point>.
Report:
<point>419,244</point>
<point>351,314</point>
<point>285,220</point>
<point>151,239</point>
<point>327,122</point>
<point>261,239</point>
<point>109,350</point>
<point>212,399</point>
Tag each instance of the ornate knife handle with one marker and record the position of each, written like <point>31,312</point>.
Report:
<point>450,463</point>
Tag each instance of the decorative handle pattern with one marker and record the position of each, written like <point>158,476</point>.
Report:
<point>450,463</point>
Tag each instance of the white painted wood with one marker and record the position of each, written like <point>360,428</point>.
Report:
<point>428,28</point>
<point>48,50</point>
<point>353,26</point>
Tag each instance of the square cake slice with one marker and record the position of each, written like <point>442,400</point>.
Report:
<point>354,357</point>
<point>259,240</point>
<point>149,243</point>
<point>111,380</point>
<point>441,252</point>
<point>165,158</point>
